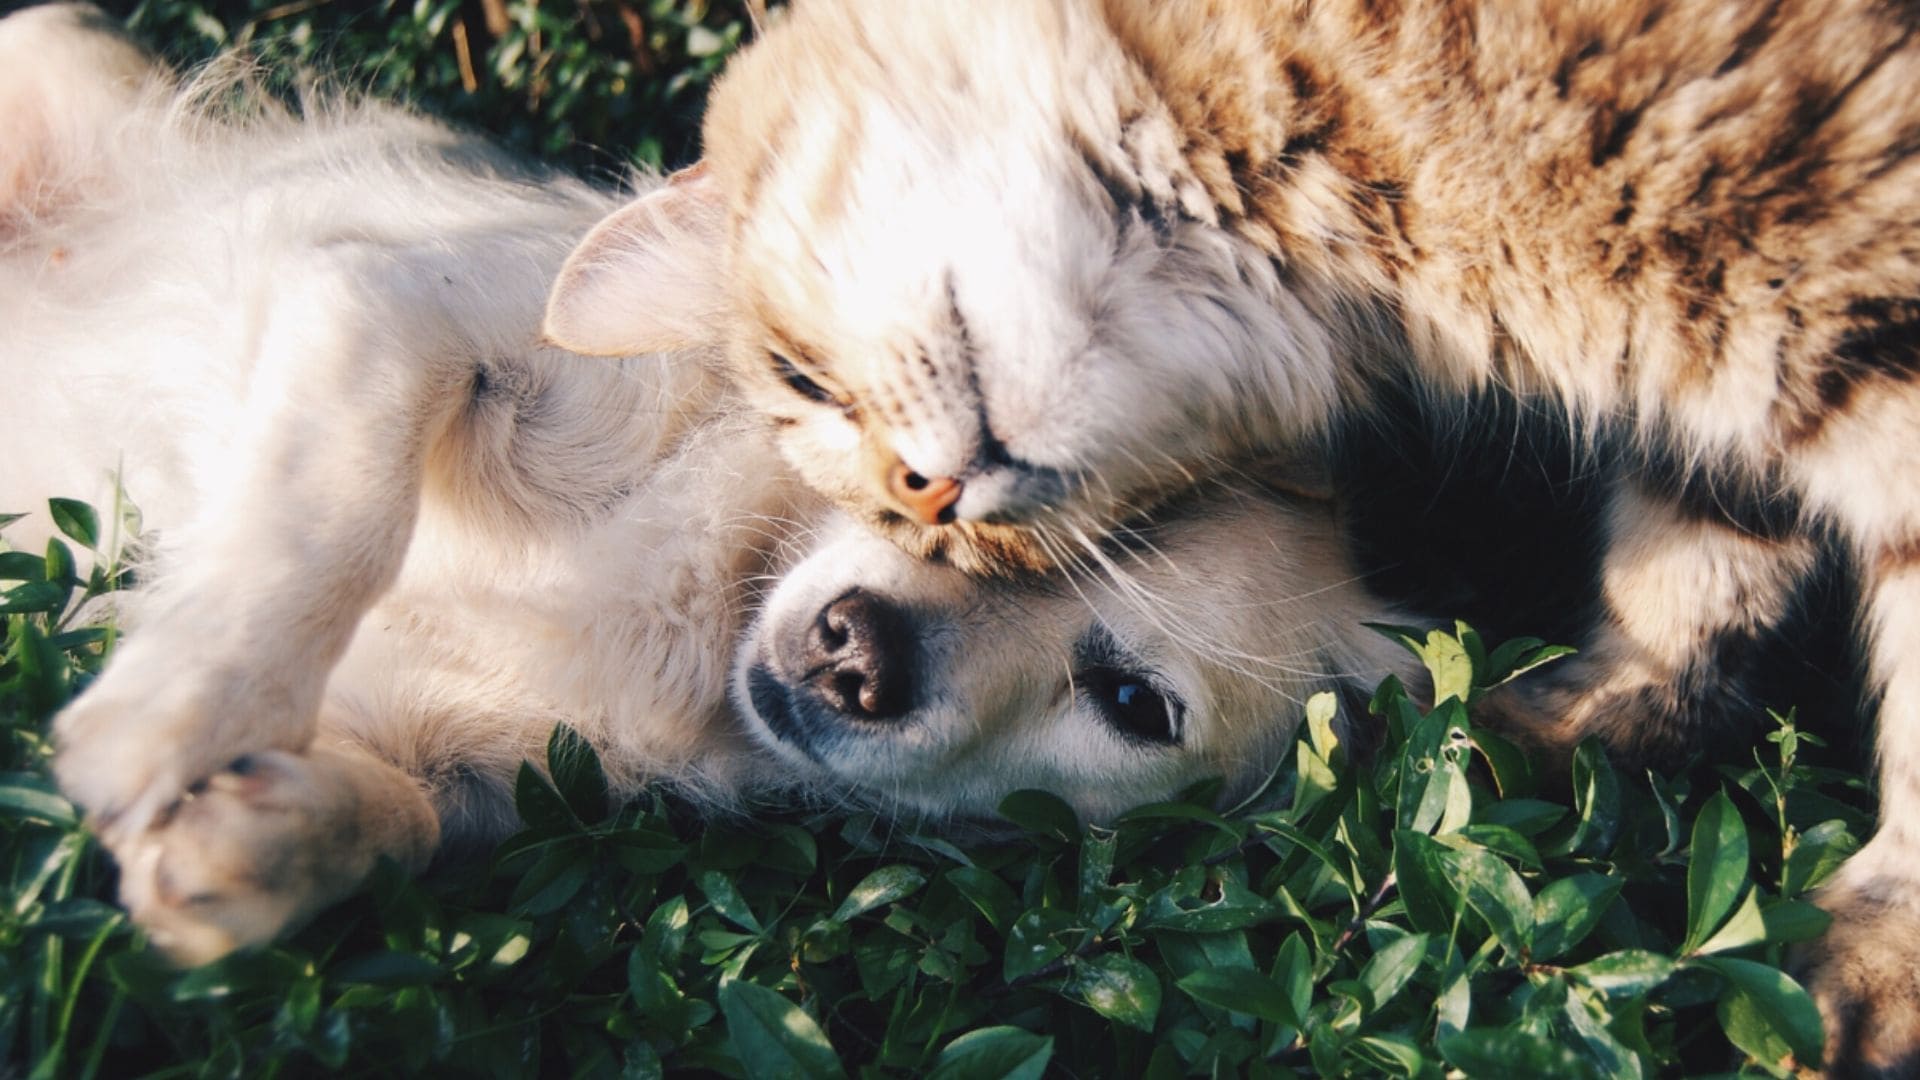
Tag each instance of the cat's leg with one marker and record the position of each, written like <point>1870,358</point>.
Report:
<point>1865,972</point>
<point>356,367</point>
<point>1685,594</point>
<point>262,845</point>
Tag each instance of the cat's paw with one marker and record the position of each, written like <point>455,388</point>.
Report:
<point>251,852</point>
<point>152,727</point>
<point>1865,975</point>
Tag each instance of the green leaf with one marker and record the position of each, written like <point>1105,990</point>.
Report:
<point>1322,710</point>
<point>1178,811</point>
<point>553,881</point>
<point>576,773</point>
<point>1790,921</point>
<point>994,1053</point>
<point>1037,939</point>
<point>1041,812</point>
<point>29,796</point>
<point>1507,655</point>
<point>1509,663</point>
<point>1716,868</point>
<point>772,1036</point>
<point>33,597</point>
<point>77,520</point>
<point>1746,927</point>
<point>59,564</point>
<point>1444,655</point>
<point>20,566</point>
<point>1590,1018</point>
<point>1293,968</point>
<point>1391,1055</point>
<point>1596,800</point>
<point>1627,973</point>
<point>1392,967</point>
<point>1425,879</point>
<point>791,849</point>
<point>539,804</point>
<point>1567,910</point>
<point>1499,839</point>
<point>1513,1051</point>
<point>643,851</point>
<point>727,902</point>
<point>1767,1014</point>
<point>1236,908</point>
<point>1528,817</point>
<point>1512,770</point>
<point>1496,894</point>
<point>1241,991</point>
<point>1452,669</point>
<point>1097,850</point>
<point>1119,988</point>
<point>986,892</point>
<point>1434,795</point>
<point>883,886</point>
<point>1817,853</point>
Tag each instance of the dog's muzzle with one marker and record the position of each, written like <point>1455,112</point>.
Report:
<point>858,660</point>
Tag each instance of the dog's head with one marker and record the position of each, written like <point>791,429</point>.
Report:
<point>1182,651</point>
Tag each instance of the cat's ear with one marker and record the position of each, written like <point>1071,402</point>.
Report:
<point>648,277</point>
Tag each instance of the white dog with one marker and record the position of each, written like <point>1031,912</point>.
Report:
<point>392,539</point>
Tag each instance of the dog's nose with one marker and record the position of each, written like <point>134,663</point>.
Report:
<point>930,499</point>
<point>860,657</point>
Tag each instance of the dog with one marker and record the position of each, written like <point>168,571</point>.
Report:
<point>391,538</point>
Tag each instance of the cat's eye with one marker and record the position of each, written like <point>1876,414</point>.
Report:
<point>1132,706</point>
<point>797,380</point>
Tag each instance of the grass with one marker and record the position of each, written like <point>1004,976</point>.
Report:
<point>596,85</point>
<point>1436,907</point>
<point>1433,908</point>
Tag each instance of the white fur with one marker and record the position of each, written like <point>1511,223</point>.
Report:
<point>394,538</point>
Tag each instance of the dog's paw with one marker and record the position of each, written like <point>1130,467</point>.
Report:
<point>151,728</point>
<point>1865,975</point>
<point>251,852</point>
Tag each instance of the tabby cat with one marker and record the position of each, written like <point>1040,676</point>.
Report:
<point>1014,271</point>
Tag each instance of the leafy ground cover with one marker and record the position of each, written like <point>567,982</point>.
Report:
<point>1432,909</point>
<point>593,84</point>
<point>1428,909</point>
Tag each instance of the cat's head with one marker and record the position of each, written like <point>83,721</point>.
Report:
<point>968,275</point>
<point>1185,653</point>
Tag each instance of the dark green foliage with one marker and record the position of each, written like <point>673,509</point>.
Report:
<point>592,84</point>
<point>1434,907</point>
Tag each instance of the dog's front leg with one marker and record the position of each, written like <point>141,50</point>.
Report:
<point>353,367</point>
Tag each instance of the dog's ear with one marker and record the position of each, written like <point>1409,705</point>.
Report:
<point>647,278</point>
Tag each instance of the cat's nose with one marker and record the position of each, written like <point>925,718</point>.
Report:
<point>929,499</point>
<point>859,657</point>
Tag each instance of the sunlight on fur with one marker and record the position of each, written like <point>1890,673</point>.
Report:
<point>393,538</point>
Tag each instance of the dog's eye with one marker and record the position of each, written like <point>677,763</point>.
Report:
<point>797,380</point>
<point>1132,705</point>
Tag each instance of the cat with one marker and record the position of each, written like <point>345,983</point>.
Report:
<point>1007,273</point>
<point>389,541</point>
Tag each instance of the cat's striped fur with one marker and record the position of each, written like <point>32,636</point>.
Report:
<point>1052,260</point>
